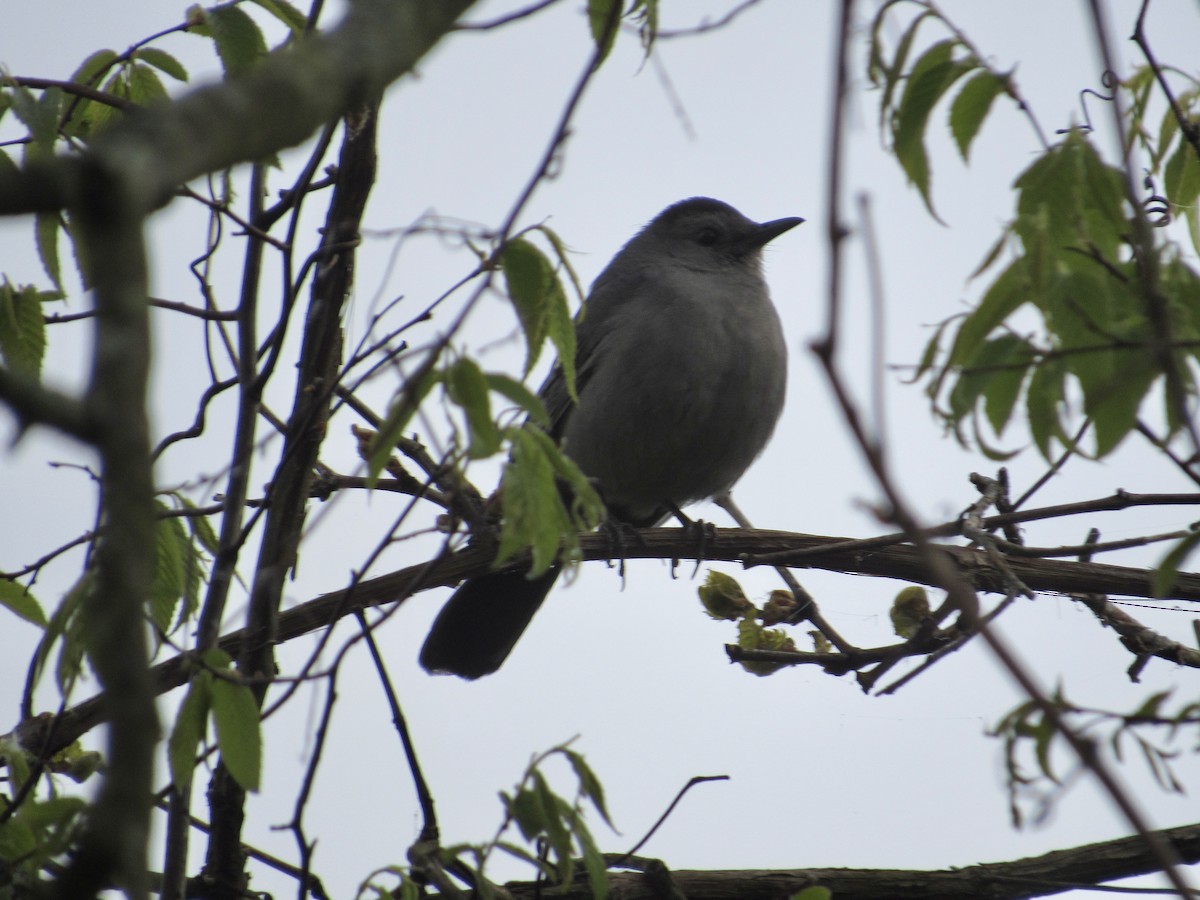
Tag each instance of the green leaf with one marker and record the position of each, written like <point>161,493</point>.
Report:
<point>816,892</point>
<point>295,20</point>
<point>534,514</point>
<point>991,256</point>
<point>404,406</point>
<point>555,811</point>
<point>17,599</point>
<point>891,74</point>
<point>239,40</point>
<point>39,114</point>
<point>190,725</point>
<point>527,277</point>
<point>970,108</point>
<point>1182,176</point>
<point>931,76</point>
<point>518,393</point>
<point>604,20</point>
<point>145,87</point>
<point>67,628</point>
<point>200,527</point>
<point>468,389</point>
<point>563,257</point>
<point>1004,297</point>
<point>163,61</point>
<point>17,840</point>
<point>22,327</point>
<point>932,348</point>
<point>1043,401</point>
<point>92,68</point>
<point>589,784</point>
<point>239,735</point>
<point>541,305</point>
<point>1167,571</point>
<point>1014,356</point>
<point>46,225</point>
<point>593,861</point>
<point>172,548</point>
<point>526,810</point>
<point>587,509</point>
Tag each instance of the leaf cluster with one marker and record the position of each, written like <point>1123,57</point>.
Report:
<point>1031,738</point>
<point>1080,309</point>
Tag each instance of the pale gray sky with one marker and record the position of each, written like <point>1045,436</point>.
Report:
<point>820,774</point>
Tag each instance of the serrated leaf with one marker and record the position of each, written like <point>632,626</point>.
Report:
<point>534,514</point>
<point>586,509</point>
<point>17,600</point>
<point>191,723</point>
<point>145,87</point>
<point>892,73</point>
<point>22,328</point>
<point>1002,298</point>
<point>468,389</point>
<point>171,549</point>
<point>201,529</point>
<point>39,114</point>
<point>282,10</point>
<point>1001,393</point>
<point>93,67</point>
<point>163,61</point>
<point>238,39</point>
<point>1043,400</point>
<point>931,76</point>
<point>46,225</point>
<point>518,393</point>
<point>970,109</point>
<point>239,734</point>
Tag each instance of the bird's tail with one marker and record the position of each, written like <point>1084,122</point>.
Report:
<point>482,621</point>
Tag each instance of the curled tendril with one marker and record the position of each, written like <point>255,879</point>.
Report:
<point>1158,209</point>
<point>1108,81</point>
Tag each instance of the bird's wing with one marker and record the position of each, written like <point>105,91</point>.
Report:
<point>591,330</point>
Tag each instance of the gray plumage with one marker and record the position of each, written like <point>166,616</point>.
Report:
<point>682,369</point>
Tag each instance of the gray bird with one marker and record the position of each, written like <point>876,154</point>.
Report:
<point>682,368</point>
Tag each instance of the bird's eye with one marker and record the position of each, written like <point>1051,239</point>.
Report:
<point>708,236</point>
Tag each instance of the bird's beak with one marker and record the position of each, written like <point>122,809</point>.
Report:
<point>766,232</point>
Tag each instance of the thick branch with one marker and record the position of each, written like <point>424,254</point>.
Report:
<point>274,105</point>
<point>1038,876</point>
<point>113,846</point>
<point>730,545</point>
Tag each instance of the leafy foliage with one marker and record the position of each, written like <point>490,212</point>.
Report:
<point>1030,740</point>
<point>723,598</point>
<point>1070,261</point>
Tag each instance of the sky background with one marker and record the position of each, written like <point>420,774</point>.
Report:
<point>820,775</point>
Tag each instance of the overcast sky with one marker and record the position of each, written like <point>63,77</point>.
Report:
<point>821,775</point>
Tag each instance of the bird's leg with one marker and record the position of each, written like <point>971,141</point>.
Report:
<point>617,531</point>
<point>702,532</point>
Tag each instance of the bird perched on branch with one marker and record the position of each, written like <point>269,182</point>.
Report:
<point>682,368</point>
